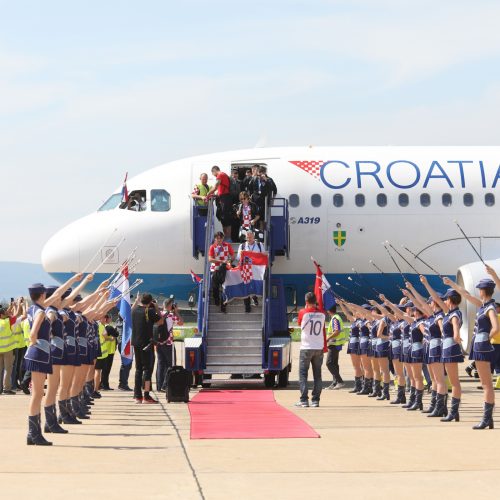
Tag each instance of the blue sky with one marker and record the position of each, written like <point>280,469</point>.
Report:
<point>89,90</point>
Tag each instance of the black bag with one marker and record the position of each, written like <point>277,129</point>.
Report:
<point>178,383</point>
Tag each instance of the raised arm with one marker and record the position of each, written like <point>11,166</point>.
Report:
<point>493,275</point>
<point>420,302</point>
<point>463,292</point>
<point>435,297</point>
<point>56,296</point>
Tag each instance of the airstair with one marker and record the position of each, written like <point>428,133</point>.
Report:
<point>236,342</point>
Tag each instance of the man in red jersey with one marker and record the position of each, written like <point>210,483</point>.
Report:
<point>312,341</point>
<point>224,199</point>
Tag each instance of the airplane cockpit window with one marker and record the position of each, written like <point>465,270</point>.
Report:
<point>382,200</point>
<point>316,200</point>
<point>359,200</point>
<point>338,200</point>
<point>403,200</point>
<point>112,202</point>
<point>136,201</point>
<point>446,199</point>
<point>489,199</point>
<point>294,200</point>
<point>468,199</point>
<point>425,199</point>
<point>160,200</point>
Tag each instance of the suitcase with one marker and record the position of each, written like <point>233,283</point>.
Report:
<point>178,383</point>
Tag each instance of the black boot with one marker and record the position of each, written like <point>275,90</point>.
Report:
<point>453,415</point>
<point>432,406</point>
<point>367,387</point>
<point>440,407</point>
<point>51,424</point>
<point>385,393</point>
<point>35,432</point>
<point>487,420</point>
<point>65,417</point>
<point>83,404</point>
<point>401,397</point>
<point>357,385</point>
<point>77,410</point>
<point>377,391</point>
<point>411,400</point>
<point>417,405</point>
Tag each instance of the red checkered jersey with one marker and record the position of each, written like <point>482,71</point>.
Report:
<point>224,184</point>
<point>220,252</point>
<point>312,326</point>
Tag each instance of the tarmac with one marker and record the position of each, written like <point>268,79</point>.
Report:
<point>368,450</point>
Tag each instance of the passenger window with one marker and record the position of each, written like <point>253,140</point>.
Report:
<point>294,200</point>
<point>403,200</point>
<point>468,199</point>
<point>381,200</point>
<point>338,200</point>
<point>359,200</point>
<point>316,200</point>
<point>489,199</point>
<point>446,200</point>
<point>112,202</point>
<point>160,200</point>
<point>425,199</point>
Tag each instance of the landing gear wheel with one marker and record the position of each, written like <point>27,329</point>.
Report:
<point>269,379</point>
<point>283,377</point>
<point>204,383</point>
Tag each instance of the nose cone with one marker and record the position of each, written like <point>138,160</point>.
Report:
<point>61,253</point>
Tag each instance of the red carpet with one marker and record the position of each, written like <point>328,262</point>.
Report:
<point>247,414</point>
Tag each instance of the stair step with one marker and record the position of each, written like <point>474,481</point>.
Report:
<point>235,341</point>
<point>236,359</point>
<point>229,369</point>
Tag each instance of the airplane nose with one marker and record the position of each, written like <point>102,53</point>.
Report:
<point>62,253</point>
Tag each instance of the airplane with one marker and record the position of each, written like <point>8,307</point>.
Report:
<point>344,203</point>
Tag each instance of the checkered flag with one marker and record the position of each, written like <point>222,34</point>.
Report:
<point>312,167</point>
<point>246,270</point>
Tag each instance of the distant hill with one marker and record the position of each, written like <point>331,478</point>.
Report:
<point>15,277</point>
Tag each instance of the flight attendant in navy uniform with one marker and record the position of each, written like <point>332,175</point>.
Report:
<point>353,345</point>
<point>364,346</point>
<point>451,354</point>
<point>37,360</point>
<point>438,407</point>
<point>382,347</point>
<point>57,356</point>
<point>374,322</point>
<point>482,352</point>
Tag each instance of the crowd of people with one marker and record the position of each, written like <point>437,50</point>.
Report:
<point>241,202</point>
<point>420,338</point>
<point>241,208</point>
<point>60,349</point>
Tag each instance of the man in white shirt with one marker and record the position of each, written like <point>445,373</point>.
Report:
<point>312,342</point>
<point>251,245</point>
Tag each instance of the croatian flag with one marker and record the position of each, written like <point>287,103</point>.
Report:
<point>127,351</point>
<point>323,290</point>
<point>124,189</point>
<point>196,279</point>
<point>248,278</point>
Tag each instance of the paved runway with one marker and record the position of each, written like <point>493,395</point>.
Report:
<point>368,450</point>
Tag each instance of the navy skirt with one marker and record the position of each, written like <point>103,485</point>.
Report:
<point>417,353</point>
<point>406,351</point>
<point>434,351</point>
<point>481,348</point>
<point>364,344</point>
<point>36,366</point>
<point>395,352</point>
<point>382,348</point>
<point>451,352</point>
<point>353,345</point>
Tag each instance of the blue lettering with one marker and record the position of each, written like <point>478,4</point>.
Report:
<point>483,177</point>
<point>373,173</point>
<point>497,177</point>
<point>461,168</point>
<point>403,186</point>
<point>329,184</point>
<point>442,175</point>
